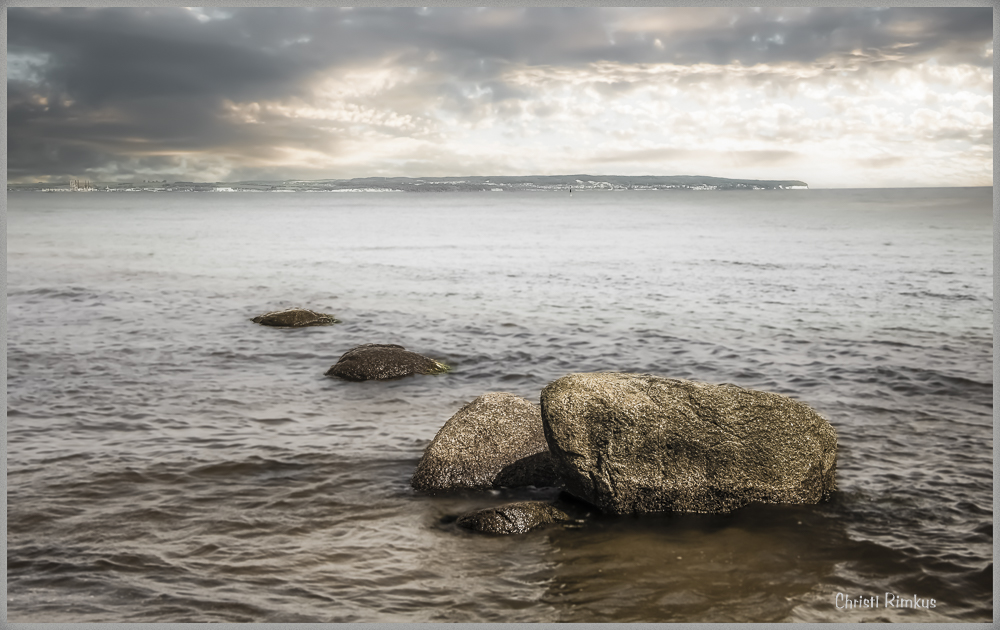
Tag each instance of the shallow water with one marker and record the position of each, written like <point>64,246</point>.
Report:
<point>171,461</point>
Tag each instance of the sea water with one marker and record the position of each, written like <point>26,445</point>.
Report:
<point>170,461</point>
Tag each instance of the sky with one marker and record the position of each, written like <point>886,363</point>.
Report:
<point>836,97</point>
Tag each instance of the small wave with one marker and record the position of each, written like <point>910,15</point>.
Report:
<point>967,507</point>
<point>304,356</point>
<point>745,263</point>
<point>911,380</point>
<point>946,296</point>
<point>274,421</point>
<point>517,377</point>
<point>392,401</point>
<point>894,344</point>
<point>141,563</point>
<point>57,292</point>
<point>250,467</point>
<point>39,568</point>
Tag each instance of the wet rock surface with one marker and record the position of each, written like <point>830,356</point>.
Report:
<point>494,441</point>
<point>375,361</point>
<point>295,318</point>
<point>636,443</point>
<point>512,518</point>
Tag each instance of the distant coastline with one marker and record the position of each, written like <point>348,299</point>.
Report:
<point>427,184</point>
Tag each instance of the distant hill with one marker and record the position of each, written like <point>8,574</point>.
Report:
<point>440,184</point>
<point>582,182</point>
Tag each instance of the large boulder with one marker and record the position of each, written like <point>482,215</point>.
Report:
<point>634,443</point>
<point>512,518</point>
<point>494,441</point>
<point>375,361</point>
<point>294,318</point>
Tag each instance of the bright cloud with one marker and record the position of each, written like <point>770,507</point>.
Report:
<point>835,97</point>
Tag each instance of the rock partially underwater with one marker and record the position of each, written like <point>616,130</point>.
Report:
<point>494,441</point>
<point>295,318</point>
<point>512,518</point>
<point>635,443</point>
<point>373,361</point>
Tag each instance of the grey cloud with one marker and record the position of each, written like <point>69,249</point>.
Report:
<point>881,162</point>
<point>119,52</point>
<point>91,81</point>
<point>740,158</point>
<point>645,155</point>
<point>106,55</point>
<point>769,158</point>
<point>808,35</point>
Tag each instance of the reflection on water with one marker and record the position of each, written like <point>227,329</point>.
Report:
<point>765,563</point>
<point>710,568</point>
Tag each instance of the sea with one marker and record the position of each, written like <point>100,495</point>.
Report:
<point>168,460</point>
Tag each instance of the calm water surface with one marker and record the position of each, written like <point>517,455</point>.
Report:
<point>168,460</point>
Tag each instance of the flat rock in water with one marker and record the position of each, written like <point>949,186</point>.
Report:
<point>635,443</point>
<point>374,361</point>
<point>512,518</point>
<point>294,318</point>
<point>494,441</point>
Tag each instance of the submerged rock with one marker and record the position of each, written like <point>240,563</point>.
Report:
<point>294,318</point>
<point>512,518</point>
<point>374,361</point>
<point>494,441</point>
<point>634,443</point>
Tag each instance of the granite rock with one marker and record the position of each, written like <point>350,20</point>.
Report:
<point>636,443</point>
<point>512,518</point>
<point>294,318</point>
<point>494,441</point>
<point>374,361</point>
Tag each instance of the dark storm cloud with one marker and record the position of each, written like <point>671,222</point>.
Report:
<point>89,88</point>
<point>806,35</point>
<point>100,56</point>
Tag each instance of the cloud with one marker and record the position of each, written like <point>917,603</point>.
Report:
<point>674,155</point>
<point>882,162</point>
<point>332,92</point>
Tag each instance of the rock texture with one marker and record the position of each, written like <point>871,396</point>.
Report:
<point>512,518</point>
<point>494,441</point>
<point>635,443</point>
<point>374,361</point>
<point>294,318</point>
